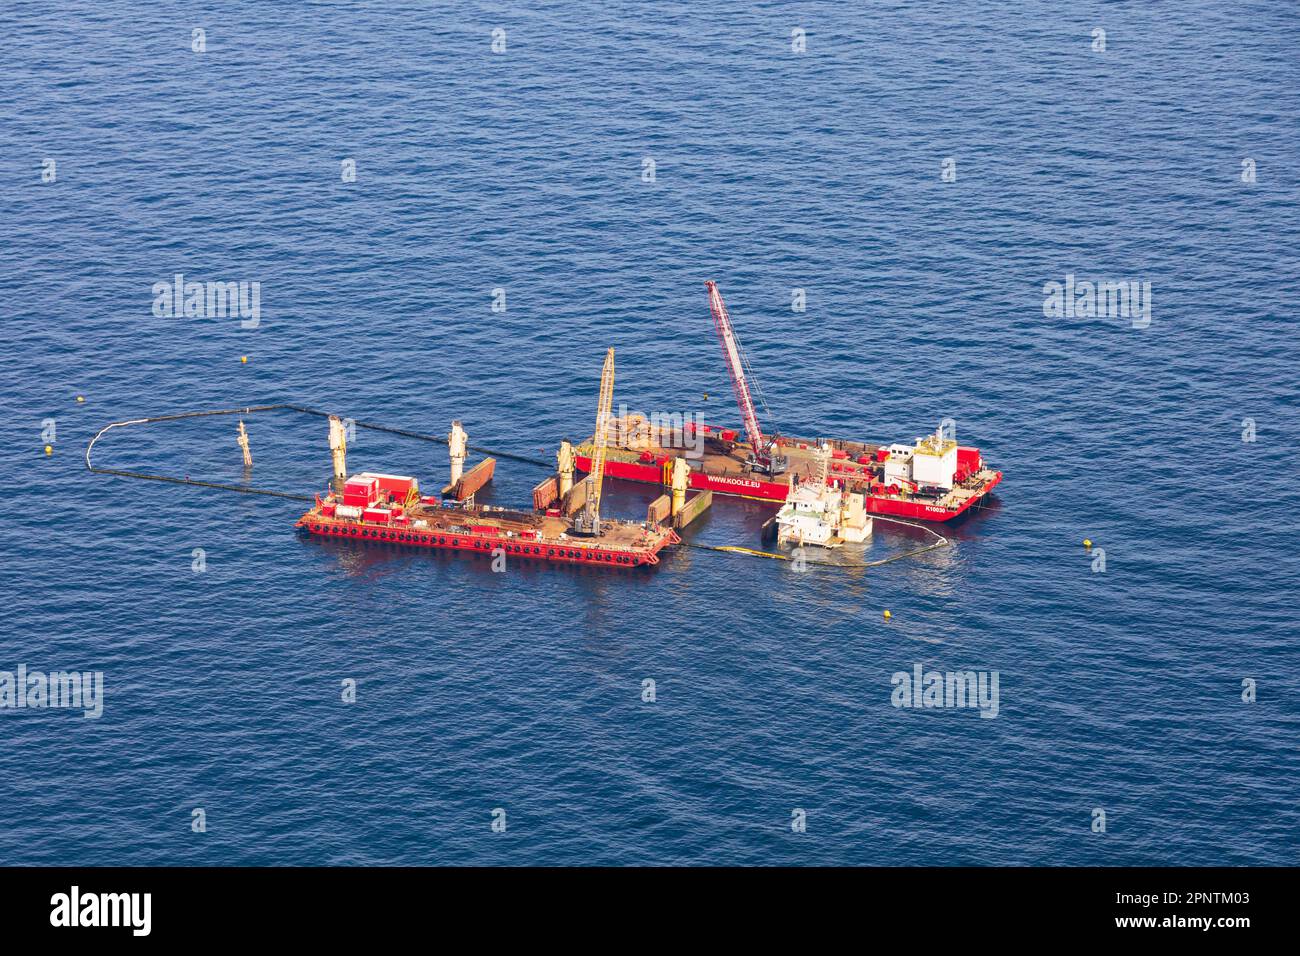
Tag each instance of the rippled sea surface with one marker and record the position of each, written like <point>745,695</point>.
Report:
<point>773,171</point>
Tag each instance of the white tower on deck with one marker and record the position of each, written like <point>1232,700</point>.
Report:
<point>681,476</point>
<point>564,467</point>
<point>339,452</point>
<point>456,443</point>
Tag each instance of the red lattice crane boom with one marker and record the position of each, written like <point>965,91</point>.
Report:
<point>765,458</point>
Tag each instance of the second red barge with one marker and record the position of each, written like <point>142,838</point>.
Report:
<point>859,465</point>
<point>933,479</point>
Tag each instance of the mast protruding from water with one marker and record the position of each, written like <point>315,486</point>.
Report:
<point>243,443</point>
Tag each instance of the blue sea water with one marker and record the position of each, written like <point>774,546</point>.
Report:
<point>773,170</point>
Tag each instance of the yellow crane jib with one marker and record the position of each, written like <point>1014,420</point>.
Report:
<point>590,519</point>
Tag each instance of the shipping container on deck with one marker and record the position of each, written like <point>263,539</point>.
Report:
<point>360,491</point>
<point>399,486</point>
<point>969,462</point>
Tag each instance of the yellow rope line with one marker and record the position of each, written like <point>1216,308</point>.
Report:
<point>737,549</point>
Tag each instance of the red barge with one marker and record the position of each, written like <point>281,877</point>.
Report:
<point>933,479</point>
<point>390,509</point>
<point>859,465</point>
<point>484,529</point>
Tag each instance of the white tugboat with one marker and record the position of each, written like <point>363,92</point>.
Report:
<point>818,511</point>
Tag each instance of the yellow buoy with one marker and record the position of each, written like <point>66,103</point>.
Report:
<point>49,449</point>
<point>80,399</point>
<point>244,359</point>
<point>888,615</point>
<point>1087,542</point>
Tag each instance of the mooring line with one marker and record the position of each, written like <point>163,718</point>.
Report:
<point>420,435</point>
<point>248,410</point>
<point>125,473</point>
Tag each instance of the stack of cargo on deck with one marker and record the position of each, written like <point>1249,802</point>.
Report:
<point>379,499</point>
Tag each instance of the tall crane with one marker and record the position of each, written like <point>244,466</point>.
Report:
<point>765,457</point>
<point>588,521</point>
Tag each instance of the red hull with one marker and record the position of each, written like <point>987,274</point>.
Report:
<point>776,491</point>
<point>574,552</point>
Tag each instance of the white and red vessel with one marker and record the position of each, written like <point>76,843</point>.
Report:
<point>822,512</point>
<point>932,479</point>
